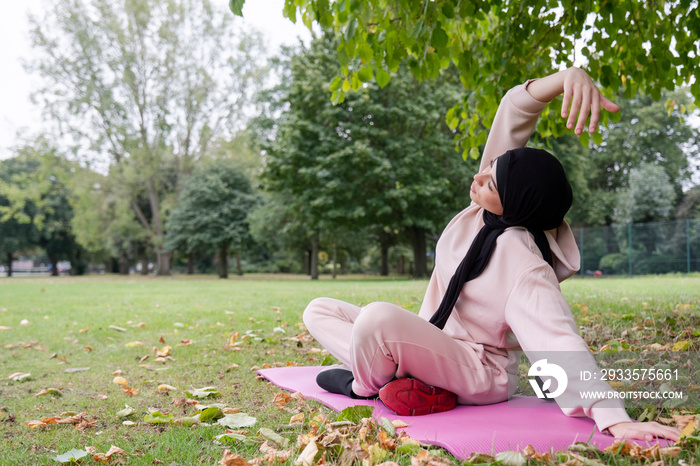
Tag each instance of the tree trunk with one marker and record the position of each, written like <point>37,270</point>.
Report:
<point>54,265</point>
<point>401,265</point>
<point>314,257</point>
<point>335,256</point>
<point>343,264</point>
<point>306,263</point>
<point>384,243</point>
<point>163,263</point>
<point>9,264</point>
<point>190,264</point>
<point>420,268</point>
<point>123,265</point>
<point>223,261</point>
<point>144,266</point>
<point>239,270</point>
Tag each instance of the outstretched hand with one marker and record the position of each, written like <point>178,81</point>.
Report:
<point>644,431</point>
<point>584,97</point>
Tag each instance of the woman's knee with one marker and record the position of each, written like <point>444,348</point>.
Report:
<point>378,317</point>
<point>315,309</point>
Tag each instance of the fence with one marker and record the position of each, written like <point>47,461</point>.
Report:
<point>641,248</point>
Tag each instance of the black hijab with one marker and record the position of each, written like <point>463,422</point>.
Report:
<point>535,194</point>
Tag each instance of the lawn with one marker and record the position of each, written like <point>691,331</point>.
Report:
<point>78,337</point>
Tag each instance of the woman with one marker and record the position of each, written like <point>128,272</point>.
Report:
<point>495,288</point>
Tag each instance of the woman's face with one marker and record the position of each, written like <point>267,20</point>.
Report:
<point>484,191</point>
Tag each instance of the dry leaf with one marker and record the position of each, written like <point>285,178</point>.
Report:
<point>35,424</point>
<point>398,423</point>
<point>306,458</point>
<point>120,380</point>
<point>165,388</point>
<point>88,348</point>
<point>281,399</point>
<point>233,459</point>
<point>141,325</point>
<point>297,418</point>
<point>2,327</point>
<point>130,391</point>
<point>162,353</point>
<point>83,330</point>
<point>683,420</point>
<point>24,323</point>
<point>133,344</point>
<point>186,342</point>
<point>161,340</point>
<point>115,451</point>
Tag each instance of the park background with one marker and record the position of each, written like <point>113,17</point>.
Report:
<point>270,162</point>
<point>169,141</point>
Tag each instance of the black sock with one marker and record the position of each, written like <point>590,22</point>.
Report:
<point>338,381</point>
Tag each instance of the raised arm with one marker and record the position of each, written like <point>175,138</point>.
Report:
<point>520,108</point>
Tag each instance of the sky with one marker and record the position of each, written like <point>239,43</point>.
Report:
<point>17,114</point>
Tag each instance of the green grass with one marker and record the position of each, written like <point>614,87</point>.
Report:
<point>69,327</point>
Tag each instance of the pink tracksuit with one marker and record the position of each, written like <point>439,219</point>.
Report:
<point>514,305</point>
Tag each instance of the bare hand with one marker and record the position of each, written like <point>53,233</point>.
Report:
<point>644,431</point>
<point>584,97</point>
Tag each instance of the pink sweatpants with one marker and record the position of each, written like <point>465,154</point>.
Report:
<point>382,341</point>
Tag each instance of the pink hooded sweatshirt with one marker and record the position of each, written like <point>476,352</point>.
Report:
<point>516,304</point>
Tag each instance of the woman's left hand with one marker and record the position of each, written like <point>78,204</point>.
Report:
<point>644,431</point>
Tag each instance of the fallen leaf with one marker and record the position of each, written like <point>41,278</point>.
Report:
<point>511,458</point>
<point>115,451</point>
<point>127,411</point>
<point>161,340</point>
<point>120,380</point>
<point>164,352</point>
<point>24,323</point>
<point>88,348</point>
<point>2,327</point>
<point>186,342</point>
<point>77,369</point>
<point>204,392</point>
<point>70,456</point>
<point>130,391</point>
<point>118,329</point>
<point>271,435</point>
<point>35,424</point>
<point>18,376</point>
<point>83,330</point>
<point>165,388</point>
<point>141,325</point>
<point>233,459</point>
<point>49,391</point>
<point>297,418</point>
<point>683,345</point>
<point>306,458</point>
<point>157,417</point>
<point>236,421</point>
<point>398,423</point>
<point>132,344</point>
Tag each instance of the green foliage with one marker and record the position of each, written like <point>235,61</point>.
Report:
<point>212,209</point>
<point>380,159</point>
<point>497,44</point>
<point>648,198</point>
<point>151,84</point>
<point>37,188</point>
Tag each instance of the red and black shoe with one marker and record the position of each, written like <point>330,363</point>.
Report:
<point>411,397</point>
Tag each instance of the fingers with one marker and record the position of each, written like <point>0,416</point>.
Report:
<point>609,105</point>
<point>649,430</point>
<point>575,106</point>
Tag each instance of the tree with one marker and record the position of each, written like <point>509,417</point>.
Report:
<point>146,83</point>
<point>495,44</point>
<point>648,132</point>
<point>649,197</point>
<point>38,192</point>
<point>17,228</point>
<point>212,213</point>
<point>382,160</point>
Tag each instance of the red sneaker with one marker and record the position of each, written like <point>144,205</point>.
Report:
<point>411,397</point>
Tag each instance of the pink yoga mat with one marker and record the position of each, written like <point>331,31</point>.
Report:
<point>490,429</point>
